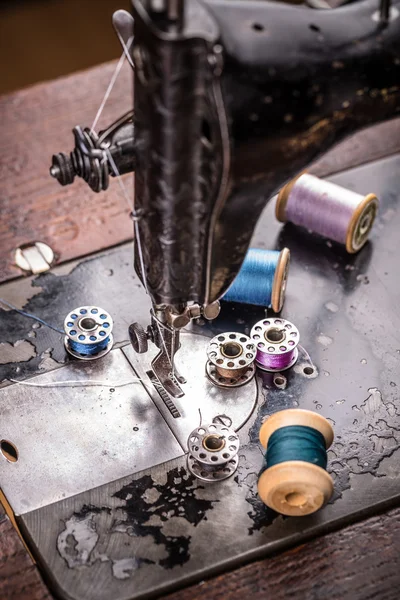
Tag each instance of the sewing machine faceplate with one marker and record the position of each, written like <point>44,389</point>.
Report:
<point>141,534</point>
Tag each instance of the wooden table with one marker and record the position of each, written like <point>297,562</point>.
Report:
<point>359,561</point>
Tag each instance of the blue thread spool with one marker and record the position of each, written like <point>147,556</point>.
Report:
<point>262,279</point>
<point>294,480</point>
<point>88,332</point>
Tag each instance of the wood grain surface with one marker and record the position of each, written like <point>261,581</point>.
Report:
<point>360,562</point>
<point>37,123</point>
<point>19,578</point>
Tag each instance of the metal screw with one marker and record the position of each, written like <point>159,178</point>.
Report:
<point>223,420</point>
<point>35,258</point>
<point>211,311</point>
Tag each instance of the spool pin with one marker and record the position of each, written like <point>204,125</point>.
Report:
<point>262,279</point>
<point>328,209</point>
<point>230,359</point>
<point>295,487</point>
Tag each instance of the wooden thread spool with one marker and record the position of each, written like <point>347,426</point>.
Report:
<point>295,487</point>
<point>328,209</point>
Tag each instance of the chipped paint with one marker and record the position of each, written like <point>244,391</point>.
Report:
<point>178,499</point>
<point>78,540</point>
<point>20,351</point>
<point>47,363</point>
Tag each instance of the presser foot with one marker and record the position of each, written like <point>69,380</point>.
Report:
<point>170,381</point>
<point>166,338</point>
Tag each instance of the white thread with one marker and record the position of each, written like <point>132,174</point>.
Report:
<point>126,48</point>
<point>119,179</point>
<point>111,84</point>
<point>136,225</point>
<point>308,357</point>
<point>82,383</point>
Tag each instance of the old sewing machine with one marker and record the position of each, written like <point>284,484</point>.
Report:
<point>132,466</point>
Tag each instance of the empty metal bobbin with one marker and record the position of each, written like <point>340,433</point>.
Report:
<point>88,332</point>
<point>231,359</point>
<point>213,452</point>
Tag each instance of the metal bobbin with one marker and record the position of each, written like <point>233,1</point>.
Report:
<point>230,359</point>
<point>276,341</point>
<point>213,452</point>
<point>88,332</point>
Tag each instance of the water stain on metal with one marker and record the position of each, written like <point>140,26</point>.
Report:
<point>325,340</point>
<point>372,438</point>
<point>78,540</point>
<point>124,568</point>
<point>178,498</point>
<point>332,307</point>
<point>260,515</point>
<point>373,402</point>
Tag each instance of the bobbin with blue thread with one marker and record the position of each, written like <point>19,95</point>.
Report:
<point>294,480</point>
<point>88,332</point>
<point>262,279</point>
<point>276,341</point>
<point>328,209</point>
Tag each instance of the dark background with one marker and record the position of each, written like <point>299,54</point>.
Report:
<point>45,39</point>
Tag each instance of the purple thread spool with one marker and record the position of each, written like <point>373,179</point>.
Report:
<point>328,209</point>
<point>276,341</point>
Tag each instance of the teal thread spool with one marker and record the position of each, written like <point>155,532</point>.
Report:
<point>262,279</point>
<point>294,481</point>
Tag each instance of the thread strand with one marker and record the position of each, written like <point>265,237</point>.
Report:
<point>30,316</point>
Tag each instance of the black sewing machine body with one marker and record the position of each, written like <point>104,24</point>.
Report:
<point>293,83</point>
<point>122,517</point>
<point>230,103</point>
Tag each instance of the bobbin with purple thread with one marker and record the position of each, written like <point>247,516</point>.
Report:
<point>327,209</point>
<point>276,341</point>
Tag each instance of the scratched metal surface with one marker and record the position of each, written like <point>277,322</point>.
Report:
<point>160,528</point>
<point>71,439</point>
<point>95,434</point>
